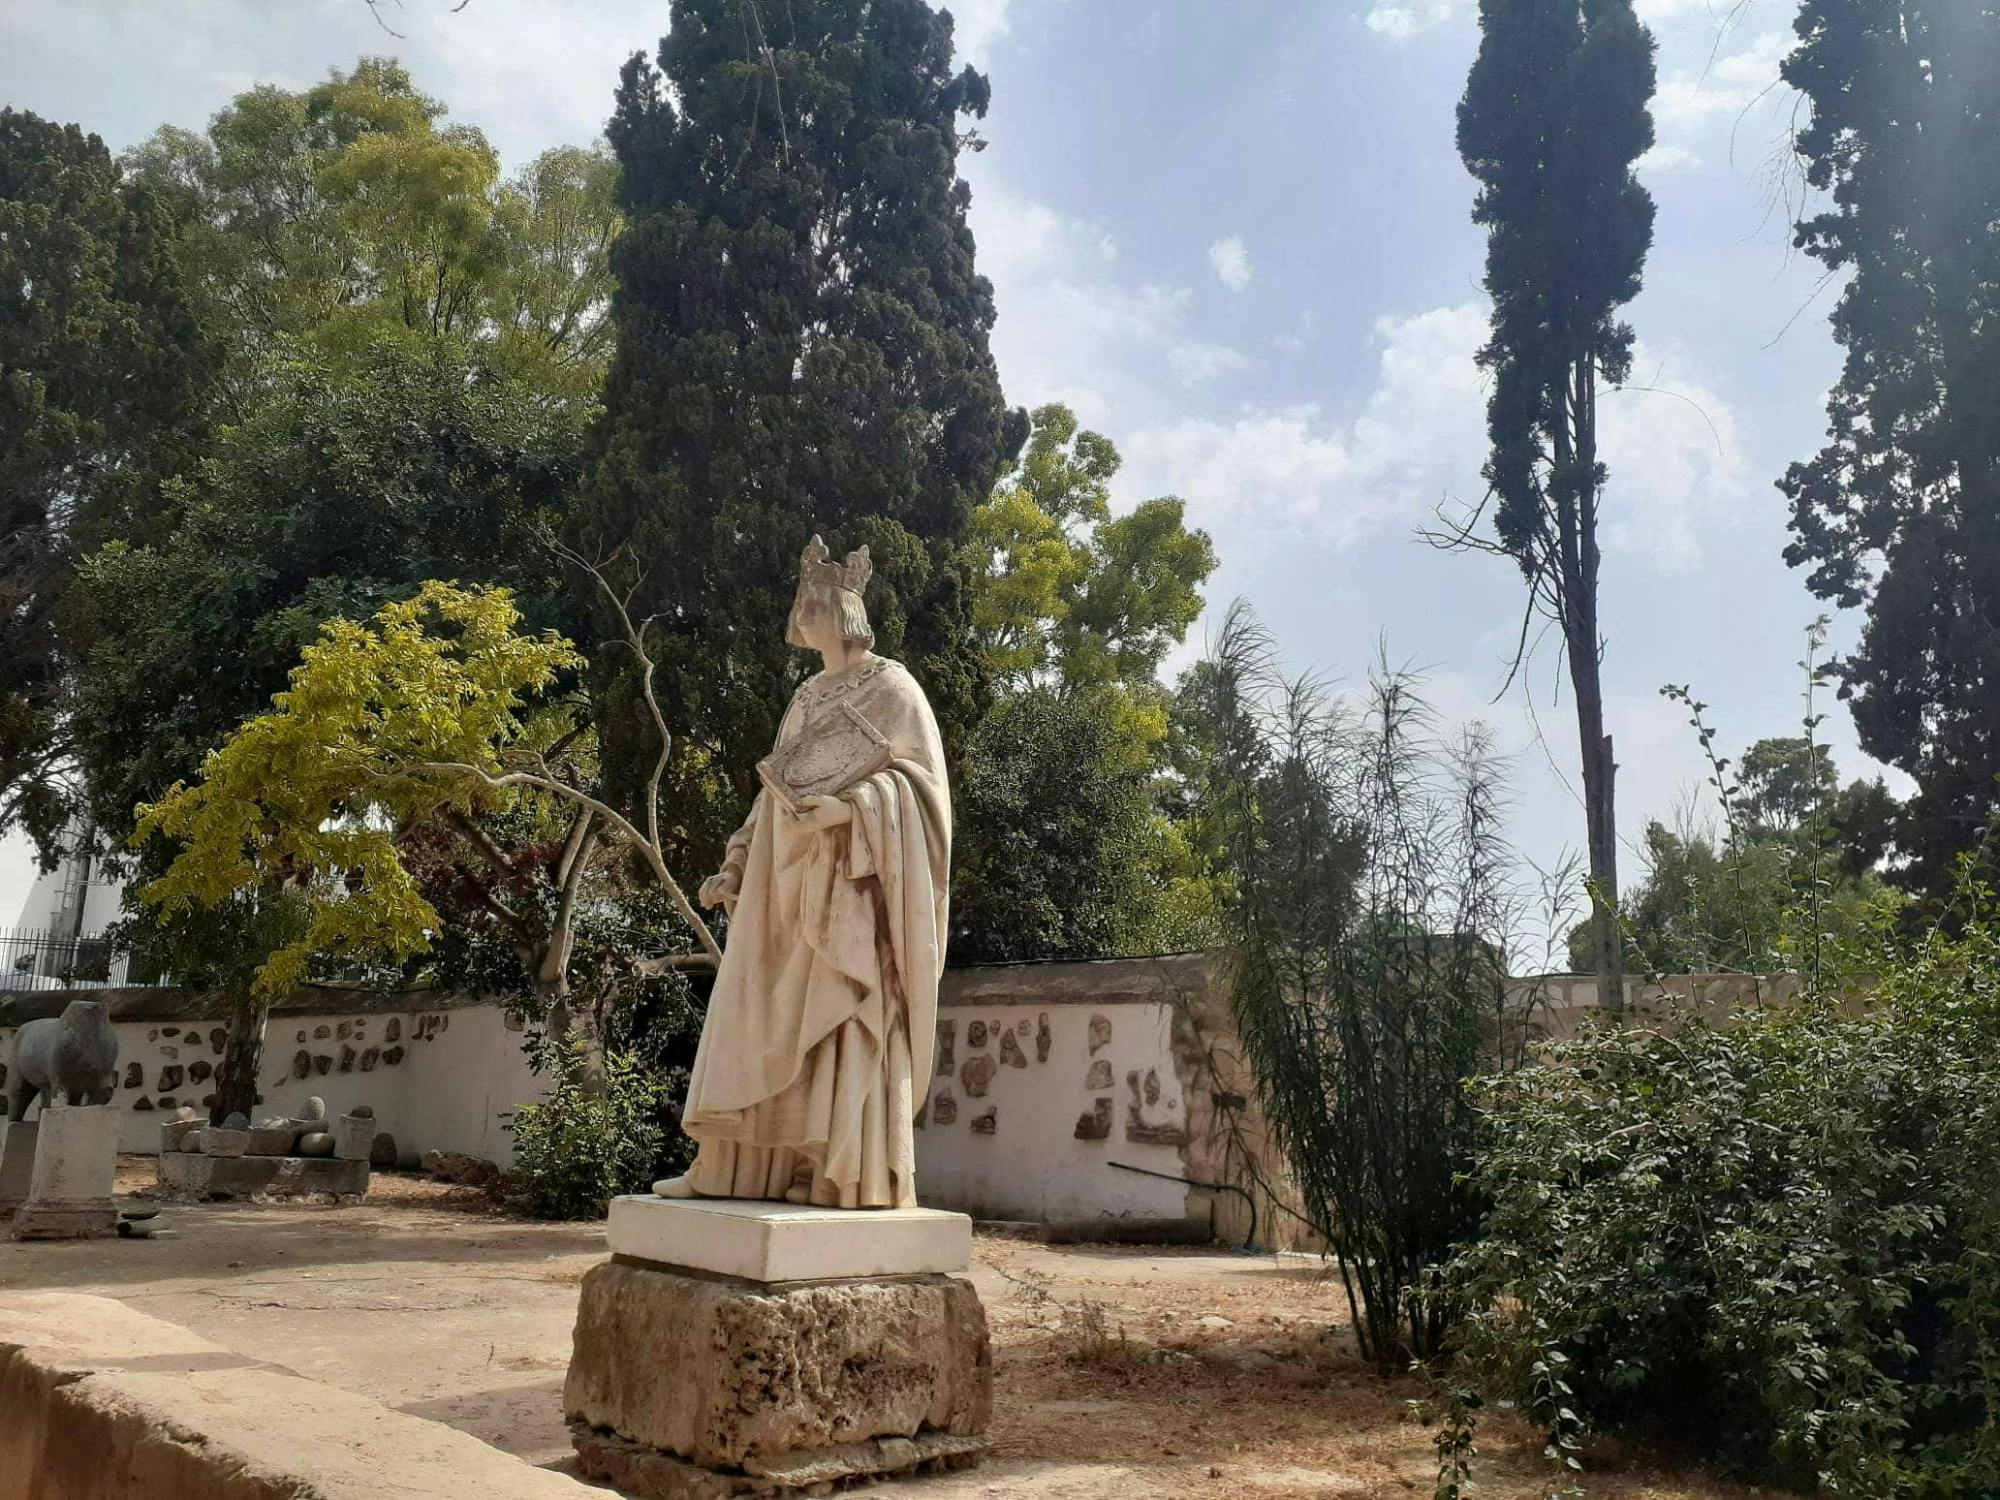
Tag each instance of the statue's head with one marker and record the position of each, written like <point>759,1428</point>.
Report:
<point>830,592</point>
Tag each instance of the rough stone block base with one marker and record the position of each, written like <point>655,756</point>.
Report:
<point>778,1385</point>
<point>65,1219</point>
<point>647,1474</point>
<point>191,1176</point>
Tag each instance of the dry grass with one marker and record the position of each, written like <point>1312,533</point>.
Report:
<point>1245,1383</point>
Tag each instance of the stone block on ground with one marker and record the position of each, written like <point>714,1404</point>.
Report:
<point>101,1401</point>
<point>645,1473</point>
<point>198,1178</point>
<point>224,1140</point>
<point>271,1140</point>
<point>726,1373</point>
<point>354,1136</point>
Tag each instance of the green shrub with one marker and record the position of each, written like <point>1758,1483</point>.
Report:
<point>581,1145</point>
<point>1777,1239</point>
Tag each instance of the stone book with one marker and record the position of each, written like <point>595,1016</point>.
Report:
<point>827,758</point>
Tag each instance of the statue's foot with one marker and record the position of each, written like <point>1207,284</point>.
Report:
<point>676,1187</point>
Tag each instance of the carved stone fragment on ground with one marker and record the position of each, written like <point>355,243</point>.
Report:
<point>975,1073</point>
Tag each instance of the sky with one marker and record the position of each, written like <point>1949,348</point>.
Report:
<point>1236,239</point>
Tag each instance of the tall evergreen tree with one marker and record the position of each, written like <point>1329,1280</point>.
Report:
<point>1900,510</point>
<point>99,357</point>
<point>1554,115</point>
<point>802,346</point>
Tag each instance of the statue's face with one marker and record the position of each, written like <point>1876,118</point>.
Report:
<point>816,618</point>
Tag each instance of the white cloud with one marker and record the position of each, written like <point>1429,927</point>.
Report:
<point>1070,329</point>
<point>1229,258</point>
<point>1690,99</point>
<point>1399,20</point>
<point>976,26</point>
<point>1667,159</point>
<point>1418,440</point>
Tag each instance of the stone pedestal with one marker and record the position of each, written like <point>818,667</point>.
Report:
<point>17,1163</point>
<point>76,1164</point>
<point>734,1348</point>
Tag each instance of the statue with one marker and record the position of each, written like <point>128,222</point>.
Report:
<point>818,1037</point>
<point>72,1059</point>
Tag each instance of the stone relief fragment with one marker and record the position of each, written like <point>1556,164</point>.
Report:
<point>1100,1034</point>
<point>1099,1076</point>
<point>944,1109</point>
<point>1096,1125</point>
<point>975,1034</point>
<point>1044,1039</point>
<point>947,1047</point>
<point>987,1123</point>
<point>1010,1051</point>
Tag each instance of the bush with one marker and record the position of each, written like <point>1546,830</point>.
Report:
<point>581,1145</point>
<point>1780,1236</point>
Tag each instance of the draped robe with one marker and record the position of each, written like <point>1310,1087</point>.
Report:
<point>819,1032</point>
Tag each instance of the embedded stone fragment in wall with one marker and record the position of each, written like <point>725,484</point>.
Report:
<point>1100,1034</point>
<point>1152,1086</point>
<point>369,1058</point>
<point>171,1054</point>
<point>170,1031</point>
<point>218,1039</point>
<point>1043,1038</point>
<point>347,1057</point>
<point>1010,1051</point>
<point>1096,1125</point>
<point>975,1073</point>
<point>166,1101</point>
<point>343,1031</point>
<point>142,1103</point>
<point>302,1033</point>
<point>302,1062</point>
<point>197,1071</point>
<point>170,1077</point>
<point>322,1064</point>
<point>322,1032</point>
<point>987,1123</point>
<point>975,1034</point>
<point>947,1047</point>
<point>944,1109</point>
<point>393,1032</point>
<point>1099,1076</point>
<point>391,1056</point>
<point>135,1075</point>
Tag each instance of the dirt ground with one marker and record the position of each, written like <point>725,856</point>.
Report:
<point>1120,1372</point>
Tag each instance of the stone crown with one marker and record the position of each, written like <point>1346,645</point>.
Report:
<point>816,567</point>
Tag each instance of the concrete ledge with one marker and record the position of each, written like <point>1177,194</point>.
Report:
<point>98,1400</point>
<point>758,1241</point>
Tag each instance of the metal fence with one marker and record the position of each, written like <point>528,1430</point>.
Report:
<point>33,958</point>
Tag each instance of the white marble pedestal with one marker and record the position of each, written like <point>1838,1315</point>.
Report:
<point>76,1164</point>
<point>745,1348</point>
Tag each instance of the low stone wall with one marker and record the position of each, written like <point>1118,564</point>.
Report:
<point>1061,1091</point>
<point>99,1400</point>
<point>1552,1006</point>
<point>441,1072</point>
<point>1092,1091</point>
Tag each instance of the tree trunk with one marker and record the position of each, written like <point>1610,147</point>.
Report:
<point>236,1077</point>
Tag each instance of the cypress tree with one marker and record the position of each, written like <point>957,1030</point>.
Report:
<point>802,346</point>
<point>1554,115</point>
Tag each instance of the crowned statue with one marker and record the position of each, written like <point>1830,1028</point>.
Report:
<point>817,1044</point>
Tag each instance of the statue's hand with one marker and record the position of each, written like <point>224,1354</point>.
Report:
<point>817,814</point>
<point>719,889</point>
